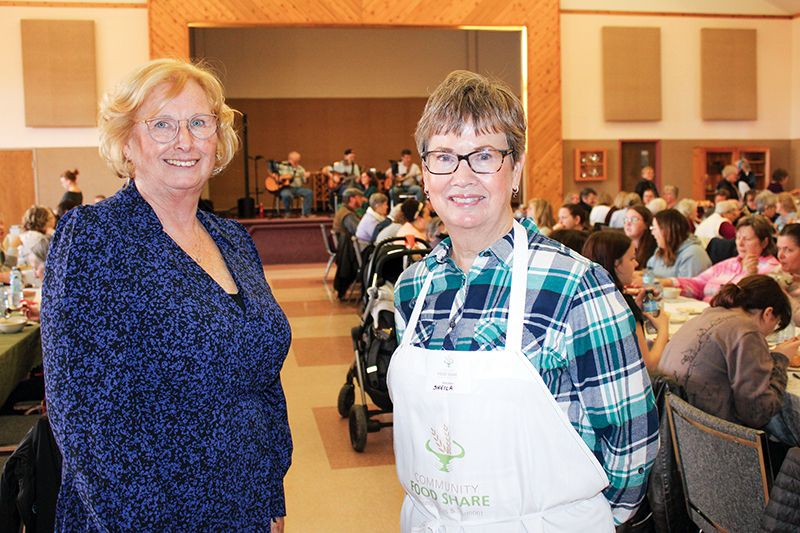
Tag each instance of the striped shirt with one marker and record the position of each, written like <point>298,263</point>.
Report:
<point>578,333</point>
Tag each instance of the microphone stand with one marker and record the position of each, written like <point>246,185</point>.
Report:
<point>255,178</point>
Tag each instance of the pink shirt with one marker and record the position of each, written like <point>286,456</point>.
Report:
<point>706,284</point>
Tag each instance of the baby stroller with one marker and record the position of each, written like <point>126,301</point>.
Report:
<point>374,340</point>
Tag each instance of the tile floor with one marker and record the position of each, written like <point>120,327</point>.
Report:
<point>330,487</point>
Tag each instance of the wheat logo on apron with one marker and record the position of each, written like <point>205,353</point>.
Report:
<point>444,448</point>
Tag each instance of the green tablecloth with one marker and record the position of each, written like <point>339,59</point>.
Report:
<point>19,352</point>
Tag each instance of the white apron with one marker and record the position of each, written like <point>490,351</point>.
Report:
<point>481,444</point>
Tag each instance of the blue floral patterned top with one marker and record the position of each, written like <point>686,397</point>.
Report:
<point>164,394</point>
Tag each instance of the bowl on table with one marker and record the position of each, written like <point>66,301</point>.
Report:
<point>670,293</point>
<point>13,324</point>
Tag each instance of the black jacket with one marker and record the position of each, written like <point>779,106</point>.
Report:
<point>783,509</point>
<point>30,482</point>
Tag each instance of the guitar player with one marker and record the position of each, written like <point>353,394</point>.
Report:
<point>341,175</point>
<point>291,179</point>
<point>405,179</point>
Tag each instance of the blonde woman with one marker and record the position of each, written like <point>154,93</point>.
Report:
<point>541,211</point>
<point>786,209</point>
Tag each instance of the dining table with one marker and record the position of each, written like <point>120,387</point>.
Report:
<point>19,353</point>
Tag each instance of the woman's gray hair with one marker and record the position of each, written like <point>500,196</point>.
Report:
<point>765,199</point>
<point>465,99</point>
<point>40,248</point>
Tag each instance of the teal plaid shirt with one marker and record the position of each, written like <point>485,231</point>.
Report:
<point>578,332</point>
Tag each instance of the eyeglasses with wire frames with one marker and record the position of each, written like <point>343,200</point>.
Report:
<point>164,129</point>
<point>631,220</point>
<point>483,161</point>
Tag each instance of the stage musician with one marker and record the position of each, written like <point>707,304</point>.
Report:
<point>290,182</point>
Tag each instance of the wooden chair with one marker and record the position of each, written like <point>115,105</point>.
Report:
<point>725,469</point>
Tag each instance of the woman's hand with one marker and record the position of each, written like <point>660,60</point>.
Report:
<point>277,525</point>
<point>661,322</point>
<point>750,264</point>
<point>789,349</point>
<point>31,311</point>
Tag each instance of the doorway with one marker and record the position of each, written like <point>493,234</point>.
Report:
<point>633,157</point>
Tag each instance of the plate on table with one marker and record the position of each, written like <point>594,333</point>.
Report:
<point>675,318</point>
<point>689,311</point>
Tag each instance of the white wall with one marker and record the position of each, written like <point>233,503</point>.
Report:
<point>352,63</point>
<point>582,79</point>
<point>121,42</point>
<point>741,7</point>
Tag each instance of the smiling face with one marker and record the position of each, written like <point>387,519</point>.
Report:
<point>625,266</point>
<point>789,254</point>
<point>648,196</point>
<point>474,206</point>
<point>747,242</point>
<point>182,165</point>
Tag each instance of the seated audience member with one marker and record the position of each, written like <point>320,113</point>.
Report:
<point>722,360</point>
<point>36,222</point>
<point>789,257</point>
<point>786,210</point>
<point>745,179</point>
<point>720,223</point>
<point>572,216</point>
<point>368,183</point>
<point>778,181</point>
<point>541,211</point>
<point>63,207</point>
<point>346,219</point>
<point>755,255</point>
<point>599,212</point>
<point>637,228</point>
<point>69,180</point>
<point>749,206</point>
<point>730,175</point>
<point>679,253</point>
<point>670,196</point>
<point>648,196</point>
<point>573,198</point>
<point>417,216</point>
<point>436,232</point>
<point>616,253</point>
<point>36,259</point>
<point>408,179</point>
<point>622,203</point>
<point>390,226</point>
<point>571,238</point>
<point>647,183</point>
<point>766,204</point>
<point>688,208</point>
<point>588,198</point>
<point>657,204</point>
<point>376,213</point>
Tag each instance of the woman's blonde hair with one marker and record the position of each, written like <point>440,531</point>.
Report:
<point>541,211</point>
<point>120,108</point>
<point>465,99</point>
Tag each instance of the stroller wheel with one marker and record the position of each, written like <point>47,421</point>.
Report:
<point>358,427</point>
<point>347,397</point>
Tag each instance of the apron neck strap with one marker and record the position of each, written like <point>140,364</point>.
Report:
<point>519,286</point>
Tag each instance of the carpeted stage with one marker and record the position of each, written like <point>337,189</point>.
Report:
<point>282,241</point>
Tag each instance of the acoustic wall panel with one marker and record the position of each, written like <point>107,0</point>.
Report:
<point>58,67</point>
<point>728,62</point>
<point>631,73</point>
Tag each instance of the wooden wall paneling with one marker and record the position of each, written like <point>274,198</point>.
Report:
<point>17,185</point>
<point>631,73</point>
<point>728,64</point>
<point>169,36</point>
<point>58,71</point>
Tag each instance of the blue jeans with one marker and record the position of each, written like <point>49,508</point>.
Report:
<point>292,192</point>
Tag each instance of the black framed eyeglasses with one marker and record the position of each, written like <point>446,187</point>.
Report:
<point>164,129</point>
<point>484,161</point>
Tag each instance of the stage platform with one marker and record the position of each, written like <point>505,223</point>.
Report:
<point>282,241</point>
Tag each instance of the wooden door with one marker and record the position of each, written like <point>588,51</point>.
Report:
<point>17,191</point>
<point>634,156</point>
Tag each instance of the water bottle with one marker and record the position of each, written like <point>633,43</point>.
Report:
<point>15,291</point>
<point>652,298</point>
<point>22,260</point>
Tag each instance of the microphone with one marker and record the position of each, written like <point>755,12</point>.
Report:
<point>259,157</point>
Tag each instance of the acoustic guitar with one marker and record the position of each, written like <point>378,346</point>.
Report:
<point>275,183</point>
<point>335,179</point>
